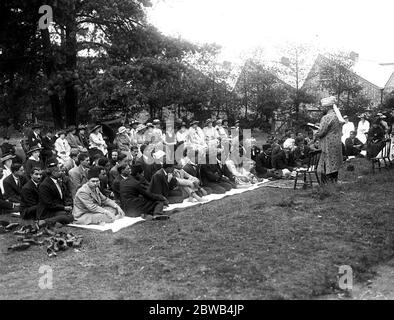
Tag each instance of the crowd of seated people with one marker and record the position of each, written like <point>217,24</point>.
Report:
<point>72,175</point>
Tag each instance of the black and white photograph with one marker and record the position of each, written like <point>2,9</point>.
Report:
<point>196,155</point>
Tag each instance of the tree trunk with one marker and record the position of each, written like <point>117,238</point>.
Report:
<point>71,95</point>
<point>50,71</point>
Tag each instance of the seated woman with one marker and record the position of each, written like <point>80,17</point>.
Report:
<point>375,141</point>
<point>91,206</point>
<point>235,166</point>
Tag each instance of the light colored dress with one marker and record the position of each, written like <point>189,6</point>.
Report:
<point>362,129</point>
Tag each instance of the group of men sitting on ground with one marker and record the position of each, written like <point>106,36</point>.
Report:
<point>64,179</point>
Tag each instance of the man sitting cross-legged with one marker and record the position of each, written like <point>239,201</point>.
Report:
<point>91,206</point>
<point>30,197</point>
<point>164,182</point>
<point>212,176</point>
<point>54,204</point>
<point>137,200</point>
<point>353,145</point>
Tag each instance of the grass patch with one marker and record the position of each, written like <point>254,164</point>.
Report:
<point>264,244</point>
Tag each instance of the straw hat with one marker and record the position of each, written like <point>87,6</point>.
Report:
<point>121,129</point>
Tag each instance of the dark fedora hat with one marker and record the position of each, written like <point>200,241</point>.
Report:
<point>34,148</point>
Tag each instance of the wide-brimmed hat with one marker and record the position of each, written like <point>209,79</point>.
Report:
<point>61,132</point>
<point>34,148</point>
<point>219,121</point>
<point>140,127</point>
<point>95,127</point>
<point>156,121</point>
<point>381,115</point>
<point>194,122</point>
<point>362,115</point>
<point>121,129</point>
<point>149,124</point>
<point>81,127</point>
<point>346,117</point>
<point>7,156</point>
<point>208,121</point>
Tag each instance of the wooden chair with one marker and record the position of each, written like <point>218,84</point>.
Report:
<point>314,157</point>
<point>384,155</point>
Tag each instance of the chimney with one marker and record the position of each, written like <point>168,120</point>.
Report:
<point>354,56</point>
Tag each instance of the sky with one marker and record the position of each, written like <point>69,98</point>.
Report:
<point>363,26</point>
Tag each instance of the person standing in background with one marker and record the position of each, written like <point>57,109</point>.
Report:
<point>329,133</point>
<point>363,128</point>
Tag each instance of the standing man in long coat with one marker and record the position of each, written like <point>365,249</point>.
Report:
<point>330,133</point>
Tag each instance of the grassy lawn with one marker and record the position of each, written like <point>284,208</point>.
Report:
<point>264,244</point>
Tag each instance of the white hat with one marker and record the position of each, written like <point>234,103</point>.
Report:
<point>121,129</point>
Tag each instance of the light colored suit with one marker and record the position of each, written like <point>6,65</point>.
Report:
<point>92,207</point>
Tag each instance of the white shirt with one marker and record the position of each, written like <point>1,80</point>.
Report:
<point>63,148</point>
<point>289,143</point>
<point>346,129</point>
<point>97,141</point>
<point>58,187</point>
<point>182,136</point>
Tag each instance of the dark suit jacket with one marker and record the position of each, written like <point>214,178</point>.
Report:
<point>11,191</point>
<point>149,169</point>
<point>210,173</point>
<point>193,169</point>
<point>30,198</point>
<point>135,197</point>
<point>263,162</point>
<point>4,204</point>
<point>49,199</point>
<point>32,140</point>
<point>160,185</point>
<point>116,186</point>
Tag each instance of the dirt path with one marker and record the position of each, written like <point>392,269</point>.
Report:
<point>380,287</point>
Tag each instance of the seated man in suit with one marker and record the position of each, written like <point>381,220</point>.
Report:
<point>165,183</point>
<point>353,145</point>
<point>212,176</point>
<point>148,163</point>
<point>53,205</point>
<point>14,182</point>
<point>78,175</point>
<point>30,198</point>
<point>91,206</point>
<point>124,173</point>
<point>114,173</point>
<point>137,200</point>
<point>5,205</point>
<point>263,168</point>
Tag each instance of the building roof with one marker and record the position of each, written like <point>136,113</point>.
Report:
<point>378,74</point>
